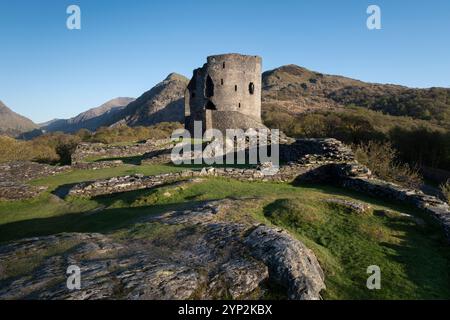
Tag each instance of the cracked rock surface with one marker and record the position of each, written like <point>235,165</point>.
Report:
<point>193,254</point>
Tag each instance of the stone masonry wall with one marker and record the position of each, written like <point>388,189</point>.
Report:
<point>100,150</point>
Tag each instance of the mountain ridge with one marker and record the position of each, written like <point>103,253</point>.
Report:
<point>294,89</point>
<point>12,123</point>
<point>91,119</point>
<point>289,88</point>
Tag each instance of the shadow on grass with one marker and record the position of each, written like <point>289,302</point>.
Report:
<point>101,220</point>
<point>214,165</point>
<point>135,160</point>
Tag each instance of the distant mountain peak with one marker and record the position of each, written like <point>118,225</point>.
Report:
<point>162,103</point>
<point>175,77</point>
<point>90,119</point>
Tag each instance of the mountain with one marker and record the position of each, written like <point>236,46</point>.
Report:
<point>289,88</point>
<point>162,103</point>
<point>13,124</point>
<point>91,119</point>
<point>295,89</point>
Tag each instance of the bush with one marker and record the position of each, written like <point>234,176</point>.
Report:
<point>13,150</point>
<point>125,134</point>
<point>65,148</point>
<point>84,134</point>
<point>381,159</point>
<point>53,148</point>
<point>58,147</point>
<point>418,142</point>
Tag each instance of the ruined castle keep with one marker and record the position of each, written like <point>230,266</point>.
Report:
<point>225,93</point>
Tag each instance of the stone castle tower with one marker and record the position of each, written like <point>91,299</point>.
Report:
<point>225,93</point>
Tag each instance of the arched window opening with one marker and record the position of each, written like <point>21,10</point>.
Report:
<point>223,65</point>
<point>251,88</point>
<point>235,88</point>
<point>221,81</point>
<point>239,105</point>
<point>209,89</point>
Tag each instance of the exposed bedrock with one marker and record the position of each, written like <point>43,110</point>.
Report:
<point>202,256</point>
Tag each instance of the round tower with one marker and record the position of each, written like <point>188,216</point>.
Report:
<point>225,93</point>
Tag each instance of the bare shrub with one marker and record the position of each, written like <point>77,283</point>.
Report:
<point>381,159</point>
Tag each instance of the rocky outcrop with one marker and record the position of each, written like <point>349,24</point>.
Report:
<point>290,263</point>
<point>203,256</point>
<point>353,206</point>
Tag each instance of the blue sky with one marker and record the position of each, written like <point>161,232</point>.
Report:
<point>126,47</point>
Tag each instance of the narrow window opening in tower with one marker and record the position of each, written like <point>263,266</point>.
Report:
<point>223,65</point>
<point>251,88</point>
<point>239,104</point>
<point>221,81</point>
<point>209,89</point>
<point>235,88</point>
<point>210,105</point>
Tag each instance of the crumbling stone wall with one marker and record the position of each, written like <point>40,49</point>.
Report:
<point>100,150</point>
<point>15,175</point>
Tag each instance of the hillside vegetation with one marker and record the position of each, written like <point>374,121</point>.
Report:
<point>295,89</point>
<point>417,142</point>
<point>57,147</point>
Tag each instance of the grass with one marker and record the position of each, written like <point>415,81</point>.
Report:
<point>346,243</point>
<point>79,175</point>
<point>411,251</point>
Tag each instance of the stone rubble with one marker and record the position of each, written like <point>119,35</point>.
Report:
<point>15,175</point>
<point>100,150</point>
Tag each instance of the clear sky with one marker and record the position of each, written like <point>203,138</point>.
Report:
<point>125,47</point>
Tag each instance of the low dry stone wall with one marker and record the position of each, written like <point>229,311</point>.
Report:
<point>100,150</point>
<point>437,208</point>
<point>320,151</point>
<point>22,171</point>
<point>122,184</point>
<point>19,191</point>
<point>97,165</point>
<point>14,175</point>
